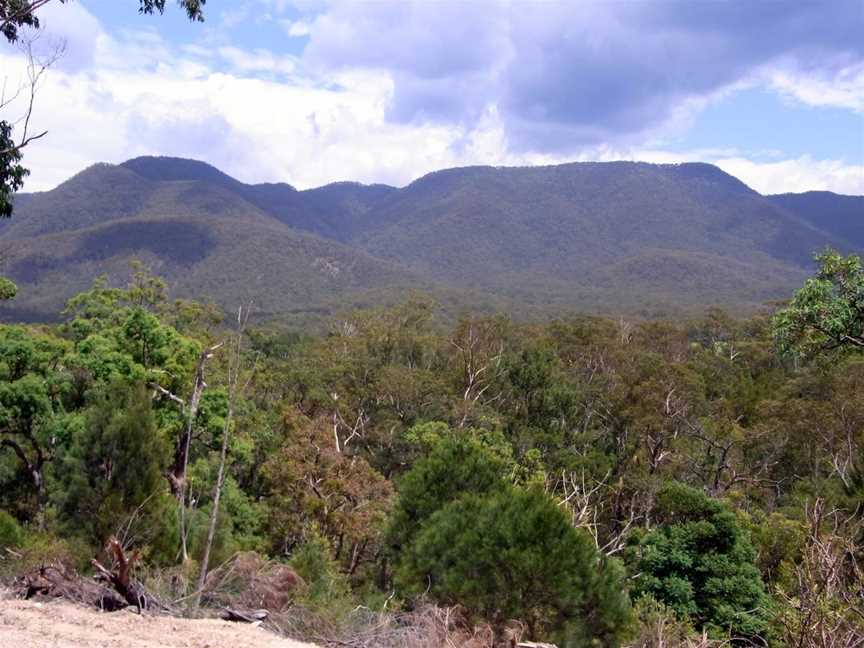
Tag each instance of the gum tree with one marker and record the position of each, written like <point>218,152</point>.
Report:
<point>827,313</point>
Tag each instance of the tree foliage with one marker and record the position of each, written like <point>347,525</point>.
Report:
<point>828,312</point>
<point>512,554</point>
<point>501,467</point>
<point>194,8</point>
<point>111,481</point>
<point>455,467</point>
<point>699,561</point>
<point>12,173</point>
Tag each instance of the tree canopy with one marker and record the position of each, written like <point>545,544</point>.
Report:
<point>700,562</point>
<point>827,313</point>
<point>546,476</point>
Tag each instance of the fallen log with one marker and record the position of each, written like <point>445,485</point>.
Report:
<point>56,581</point>
<point>110,590</point>
<point>241,616</point>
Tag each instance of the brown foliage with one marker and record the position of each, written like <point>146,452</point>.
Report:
<point>825,606</point>
<point>314,481</point>
<point>248,581</point>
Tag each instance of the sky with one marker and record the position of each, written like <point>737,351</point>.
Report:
<point>310,91</point>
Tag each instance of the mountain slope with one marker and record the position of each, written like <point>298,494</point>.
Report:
<point>101,192</point>
<point>339,210</point>
<point>206,240</point>
<point>840,216</point>
<point>616,237</point>
<point>610,225</point>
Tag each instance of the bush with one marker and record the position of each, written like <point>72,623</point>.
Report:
<point>39,549</point>
<point>455,467</point>
<point>112,476</point>
<point>700,563</point>
<point>324,583</point>
<point>514,555</point>
<point>11,533</point>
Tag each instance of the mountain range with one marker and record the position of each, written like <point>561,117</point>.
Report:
<point>616,238</point>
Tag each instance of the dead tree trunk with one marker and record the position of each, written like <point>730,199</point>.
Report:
<point>177,473</point>
<point>234,366</point>
<point>120,577</point>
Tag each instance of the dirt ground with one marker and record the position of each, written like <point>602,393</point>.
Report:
<point>29,624</point>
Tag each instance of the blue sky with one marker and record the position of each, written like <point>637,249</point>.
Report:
<point>312,91</point>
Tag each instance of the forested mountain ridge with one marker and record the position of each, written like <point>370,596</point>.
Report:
<point>841,216</point>
<point>604,237</point>
<point>206,238</point>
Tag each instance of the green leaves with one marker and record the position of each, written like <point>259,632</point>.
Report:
<point>461,532</point>
<point>194,8</point>
<point>827,313</point>
<point>455,467</point>
<point>12,173</point>
<point>8,289</point>
<point>700,563</point>
<point>512,554</point>
<point>119,332</point>
<point>114,466</point>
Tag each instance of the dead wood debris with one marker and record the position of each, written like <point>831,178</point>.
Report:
<point>110,590</point>
<point>250,616</point>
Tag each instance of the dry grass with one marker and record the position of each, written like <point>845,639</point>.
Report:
<point>428,626</point>
<point>250,581</point>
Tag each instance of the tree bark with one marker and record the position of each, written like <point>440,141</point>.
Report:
<point>234,366</point>
<point>177,474</point>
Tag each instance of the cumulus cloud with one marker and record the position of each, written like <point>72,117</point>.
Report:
<point>394,91</point>
<point>566,75</point>
<point>796,175</point>
<point>295,28</point>
<point>258,60</point>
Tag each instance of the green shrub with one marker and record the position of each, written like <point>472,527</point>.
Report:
<point>314,564</point>
<point>455,466</point>
<point>112,477</point>
<point>11,533</point>
<point>513,554</point>
<point>700,562</point>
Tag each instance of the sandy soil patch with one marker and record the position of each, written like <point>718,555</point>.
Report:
<point>29,624</point>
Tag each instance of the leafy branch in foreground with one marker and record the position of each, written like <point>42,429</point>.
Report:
<point>828,312</point>
<point>194,8</point>
<point>17,14</point>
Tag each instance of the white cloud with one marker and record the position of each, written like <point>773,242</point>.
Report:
<point>296,28</point>
<point>845,89</point>
<point>765,171</point>
<point>796,175</point>
<point>258,60</point>
<point>268,118</point>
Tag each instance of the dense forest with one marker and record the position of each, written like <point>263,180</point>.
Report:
<point>587,481</point>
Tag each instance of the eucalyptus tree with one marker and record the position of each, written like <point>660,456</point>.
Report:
<point>827,313</point>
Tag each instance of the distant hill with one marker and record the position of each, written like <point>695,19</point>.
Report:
<point>201,235</point>
<point>617,237</point>
<point>841,216</point>
<point>613,226</point>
